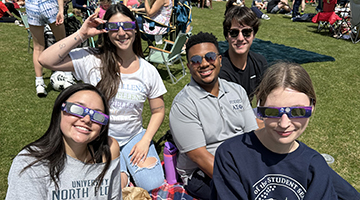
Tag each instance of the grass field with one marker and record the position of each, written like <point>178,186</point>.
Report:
<point>333,129</point>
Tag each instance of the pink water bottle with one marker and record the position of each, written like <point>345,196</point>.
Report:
<point>170,152</point>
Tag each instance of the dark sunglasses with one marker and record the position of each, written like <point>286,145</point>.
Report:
<point>246,32</point>
<point>210,57</point>
<point>81,111</point>
<point>291,112</point>
<point>115,26</point>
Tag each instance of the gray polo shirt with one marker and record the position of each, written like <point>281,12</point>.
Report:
<point>198,118</point>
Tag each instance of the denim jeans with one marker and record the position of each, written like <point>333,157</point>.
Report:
<point>147,177</point>
<point>199,185</point>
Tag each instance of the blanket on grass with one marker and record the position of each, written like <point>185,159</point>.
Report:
<point>273,52</point>
<point>170,192</point>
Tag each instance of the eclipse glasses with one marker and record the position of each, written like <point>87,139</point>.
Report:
<point>291,112</point>
<point>81,111</point>
<point>115,26</point>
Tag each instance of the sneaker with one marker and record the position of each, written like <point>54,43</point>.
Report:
<point>289,13</point>
<point>17,22</point>
<point>264,16</point>
<point>40,90</point>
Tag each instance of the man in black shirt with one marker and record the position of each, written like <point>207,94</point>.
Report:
<point>239,64</point>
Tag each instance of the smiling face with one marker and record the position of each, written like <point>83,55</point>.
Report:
<point>279,134</point>
<point>205,74</point>
<point>81,130</point>
<point>239,45</point>
<point>123,40</point>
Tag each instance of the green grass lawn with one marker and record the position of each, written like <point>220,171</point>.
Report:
<point>333,129</point>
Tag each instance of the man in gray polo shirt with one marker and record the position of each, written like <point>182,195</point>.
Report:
<point>206,112</point>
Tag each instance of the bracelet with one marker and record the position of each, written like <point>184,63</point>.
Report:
<point>82,41</point>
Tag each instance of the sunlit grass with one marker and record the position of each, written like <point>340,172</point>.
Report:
<point>333,129</point>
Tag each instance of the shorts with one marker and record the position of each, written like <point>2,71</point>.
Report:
<point>41,12</point>
<point>275,9</point>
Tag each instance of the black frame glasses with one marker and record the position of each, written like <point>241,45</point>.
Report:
<point>246,32</point>
<point>210,57</point>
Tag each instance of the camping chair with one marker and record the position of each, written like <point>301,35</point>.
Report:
<point>152,40</point>
<point>355,20</point>
<point>327,17</point>
<point>24,18</point>
<point>183,16</point>
<point>163,56</point>
<point>343,27</point>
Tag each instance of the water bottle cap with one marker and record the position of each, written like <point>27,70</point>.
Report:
<point>170,148</point>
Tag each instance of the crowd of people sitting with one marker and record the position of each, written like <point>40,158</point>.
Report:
<point>96,143</point>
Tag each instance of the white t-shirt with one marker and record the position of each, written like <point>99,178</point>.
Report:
<point>127,105</point>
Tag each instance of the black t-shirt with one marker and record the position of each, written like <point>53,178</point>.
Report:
<point>249,78</point>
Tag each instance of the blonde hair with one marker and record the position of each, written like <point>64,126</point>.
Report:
<point>285,75</point>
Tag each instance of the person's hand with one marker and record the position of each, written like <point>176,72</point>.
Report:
<point>88,29</point>
<point>59,19</point>
<point>139,152</point>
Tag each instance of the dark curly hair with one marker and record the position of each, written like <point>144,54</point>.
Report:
<point>243,15</point>
<point>201,38</point>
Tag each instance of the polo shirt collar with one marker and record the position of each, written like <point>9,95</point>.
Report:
<point>201,93</point>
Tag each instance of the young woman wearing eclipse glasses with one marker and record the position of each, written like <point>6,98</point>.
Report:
<point>271,163</point>
<point>117,68</point>
<point>76,147</point>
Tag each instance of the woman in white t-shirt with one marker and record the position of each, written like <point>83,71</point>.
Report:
<point>126,79</point>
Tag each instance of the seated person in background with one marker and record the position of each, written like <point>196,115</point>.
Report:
<point>259,4</point>
<point>256,10</point>
<point>103,6</point>
<point>131,3</point>
<point>76,147</point>
<point>271,162</point>
<point>6,11</point>
<point>159,11</point>
<point>202,2</point>
<point>275,6</point>
<point>232,3</point>
<point>205,113</point>
<point>239,64</point>
<point>82,5</point>
<point>256,6</point>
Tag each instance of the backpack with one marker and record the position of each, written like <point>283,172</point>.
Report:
<point>71,25</point>
<point>48,36</point>
<point>304,18</point>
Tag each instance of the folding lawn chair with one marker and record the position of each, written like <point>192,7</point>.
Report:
<point>327,17</point>
<point>355,20</point>
<point>152,39</point>
<point>183,15</point>
<point>24,18</point>
<point>163,56</point>
<point>343,27</point>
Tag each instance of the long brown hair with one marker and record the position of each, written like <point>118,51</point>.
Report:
<point>50,148</point>
<point>109,69</point>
